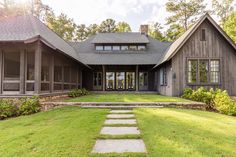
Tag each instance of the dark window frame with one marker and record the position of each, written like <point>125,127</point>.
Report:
<point>203,34</point>
<point>163,76</point>
<point>198,72</point>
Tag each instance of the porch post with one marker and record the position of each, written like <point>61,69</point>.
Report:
<point>81,78</point>
<point>52,73</point>
<point>1,70</point>
<point>103,77</point>
<point>38,64</point>
<point>137,83</point>
<point>22,71</point>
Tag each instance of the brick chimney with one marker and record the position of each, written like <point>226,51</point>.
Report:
<point>144,29</point>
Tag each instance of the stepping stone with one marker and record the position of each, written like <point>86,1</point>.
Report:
<point>119,146</point>
<point>120,121</point>
<point>121,111</point>
<point>120,130</point>
<point>120,116</point>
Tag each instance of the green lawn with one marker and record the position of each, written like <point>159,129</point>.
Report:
<point>64,132</point>
<point>190,133</point>
<point>126,97</point>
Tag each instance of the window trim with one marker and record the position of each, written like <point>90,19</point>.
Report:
<point>209,72</point>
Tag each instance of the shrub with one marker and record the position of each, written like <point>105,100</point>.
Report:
<point>29,105</point>
<point>78,92</point>
<point>187,93</point>
<point>224,104</point>
<point>7,108</point>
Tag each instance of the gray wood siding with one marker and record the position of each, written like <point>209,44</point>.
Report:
<point>215,46</point>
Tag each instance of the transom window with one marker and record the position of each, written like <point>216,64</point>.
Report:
<point>120,47</point>
<point>203,71</point>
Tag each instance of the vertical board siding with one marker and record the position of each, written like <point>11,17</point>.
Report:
<point>215,46</point>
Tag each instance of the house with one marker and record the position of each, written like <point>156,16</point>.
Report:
<point>36,61</point>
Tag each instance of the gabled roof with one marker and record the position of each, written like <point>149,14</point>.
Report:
<point>29,29</point>
<point>176,46</point>
<point>88,54</point>
<point>123,38</point>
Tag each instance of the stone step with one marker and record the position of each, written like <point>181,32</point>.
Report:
<point>121,111</point>
<point>120,116</point>
<point>120,121</point>
<point>120,107</point>
<point>120,131</point>
<point>119,146</point>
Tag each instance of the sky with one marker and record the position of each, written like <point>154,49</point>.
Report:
<point>134,12</point>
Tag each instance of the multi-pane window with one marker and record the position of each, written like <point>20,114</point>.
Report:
<point>215,71</point>
<point>141,47</point>
<point>124,48</point>
<point>133,48</point>
<point>163,76</point>
<point>203,71</point>
<point>192,71</point>
<point>99,48</point>
<point>107,48</point>
<point>115,48</point>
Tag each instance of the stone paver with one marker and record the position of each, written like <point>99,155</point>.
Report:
<point>119,146</point>
<point>120,130</point>
<point>121,111</point>
<point>120,121</point>
<point>120,116</point>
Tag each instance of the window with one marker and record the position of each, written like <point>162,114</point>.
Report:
<point>99,48</point>
<point>107,48</point>
<point>163,76</point>
<point>133,48</point>
<point>115,48</point>
<point>215,71</point>
<point>130,80</point>
<point>124,48</point>
<point>203,71</point>
<point>199,71</point>
<point>192,71</point>
<point>120,80</point>
<point>143,79</point>
<point>12,66</point>
<point>141,47</point>
<point>203,34</point>
<point>110,80</point>
<point>97,79</point>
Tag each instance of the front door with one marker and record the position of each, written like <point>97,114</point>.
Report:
<point>130,80</point>
<point>143,81</point>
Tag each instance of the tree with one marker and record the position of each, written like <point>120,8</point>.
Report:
<point>229,26</point>
<point>123,27</point>
<point>185,12</point>
<point>62,25</point>
<point>81,33</point>
<point>107,26</point>
<point>222,8</point>
<point>92,29</point>
<point>174,32</point>
<point>155,31</point>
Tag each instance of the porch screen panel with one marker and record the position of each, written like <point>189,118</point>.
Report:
<point>57,74</point>
<point>12,66</point>
<point>45,72</point>
<point>30,71</point>
<point>67,77</point>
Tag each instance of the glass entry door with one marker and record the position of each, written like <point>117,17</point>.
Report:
<point>120,80</point>
<point>143,81</point>
<point>110,80</point>
<point>130,80</point>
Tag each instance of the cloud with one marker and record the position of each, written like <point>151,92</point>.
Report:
<point>135,12</point>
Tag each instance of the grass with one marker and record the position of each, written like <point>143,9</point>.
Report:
<point>64,132</point>
<point>178,132</point>
<point>126,97</point>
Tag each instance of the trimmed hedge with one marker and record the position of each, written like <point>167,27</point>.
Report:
<point>215,99</point>
<point>13,107</point>
<point>78,92</point>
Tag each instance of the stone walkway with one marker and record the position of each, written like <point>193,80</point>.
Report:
<point>127,122</point>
